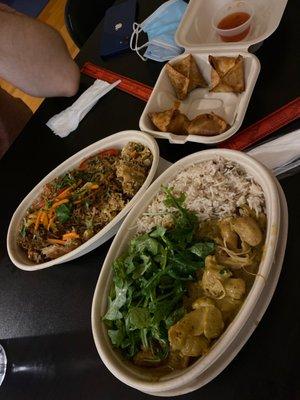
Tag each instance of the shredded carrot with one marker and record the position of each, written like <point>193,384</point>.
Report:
<point>50,223</point>
<point>65,193</point>
<point>94,186</point>
<point>83,165</point>
<point>108,152</point>
<point>58,203</point>
<point>44,219</point>
<point>105,153</point>
<point>70,235</point>
<point>38,220</point>
<point>56,241</point>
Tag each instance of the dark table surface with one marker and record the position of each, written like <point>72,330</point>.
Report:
<point>45,315</point>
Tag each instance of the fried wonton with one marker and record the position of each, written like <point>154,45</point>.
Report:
<point>207,125</point>
<point>185,76</point>
<point>170,120</point>
<point>227,74</point>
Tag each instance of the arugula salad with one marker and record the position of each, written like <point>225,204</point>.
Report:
<point>150,281</point>
<point>171,297</point>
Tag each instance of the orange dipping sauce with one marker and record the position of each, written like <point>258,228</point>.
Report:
<point>233,21</point>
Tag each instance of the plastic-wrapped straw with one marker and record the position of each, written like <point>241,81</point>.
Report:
<point>281,155</point>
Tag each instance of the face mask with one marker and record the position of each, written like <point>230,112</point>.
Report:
<point>160,28</point>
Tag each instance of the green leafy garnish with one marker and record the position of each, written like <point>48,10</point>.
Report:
<point>48,204</point>
<point>202,249</point>
<point>63,213</point>
<point>149,283</point>
<point>65,180</point>
<point>23,231</point>
<point>138,318</point>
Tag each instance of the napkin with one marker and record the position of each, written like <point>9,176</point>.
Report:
<point>280,155</point>
<point>67,121</point>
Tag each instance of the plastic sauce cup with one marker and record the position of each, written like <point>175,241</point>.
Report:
<point>229,15</point>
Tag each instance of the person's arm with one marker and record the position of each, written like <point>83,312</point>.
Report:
<point>34,57</point>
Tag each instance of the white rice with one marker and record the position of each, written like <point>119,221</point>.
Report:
<point>213,189</point>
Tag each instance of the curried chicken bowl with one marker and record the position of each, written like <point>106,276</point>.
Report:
<point>80,204</point>
<point>186,270</point>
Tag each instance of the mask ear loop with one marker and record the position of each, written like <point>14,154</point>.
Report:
<point>137,29</point>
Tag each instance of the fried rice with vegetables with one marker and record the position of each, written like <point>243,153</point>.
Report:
<point>76,205</point>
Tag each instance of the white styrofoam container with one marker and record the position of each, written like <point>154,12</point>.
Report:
<point>140,378</point>
<point>262,304</point>
<point>197,36</point>
<point>230,106</point>
<point>118,141</point>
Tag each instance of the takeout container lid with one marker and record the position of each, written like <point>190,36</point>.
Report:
<point>197,36</point>
<point>172,383</point>
<point>117,140</point>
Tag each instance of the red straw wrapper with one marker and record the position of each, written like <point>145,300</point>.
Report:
<point>264,127</point>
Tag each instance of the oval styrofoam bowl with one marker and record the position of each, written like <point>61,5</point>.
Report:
<point>139,378</point>
<point>260,308</point>
<point>231,106</point>
<point>117,140</point>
